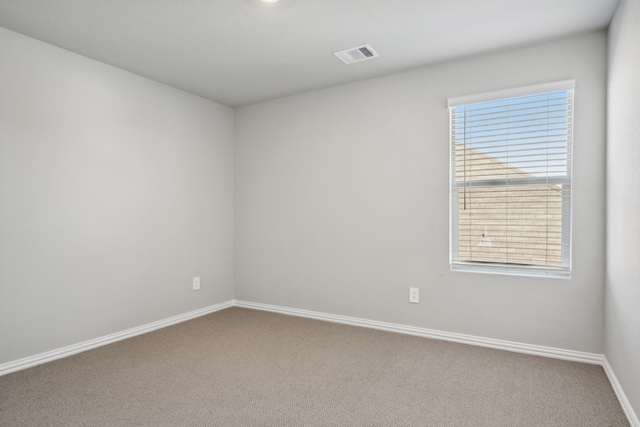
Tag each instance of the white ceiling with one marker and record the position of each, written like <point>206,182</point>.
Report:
<point>238,52</point>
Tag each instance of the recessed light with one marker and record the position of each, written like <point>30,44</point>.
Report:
<point>269,1</point>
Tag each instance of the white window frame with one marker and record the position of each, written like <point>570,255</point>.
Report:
<point>566,181</point>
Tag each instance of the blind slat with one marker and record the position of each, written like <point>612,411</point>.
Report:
<point>554,115</point>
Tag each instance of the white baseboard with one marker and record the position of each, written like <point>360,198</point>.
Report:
<point>622,398</point>
<point>536,350</point>
<point>38,359</point>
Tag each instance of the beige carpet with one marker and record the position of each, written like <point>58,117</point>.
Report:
<point>241,367</point>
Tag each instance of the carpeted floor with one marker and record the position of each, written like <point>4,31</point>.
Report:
<point>240,367</point>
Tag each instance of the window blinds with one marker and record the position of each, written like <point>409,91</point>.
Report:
<point>511,181</point>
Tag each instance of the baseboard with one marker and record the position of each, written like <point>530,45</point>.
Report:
<point>622,397</point>
<point>537,350</point>
<point>38,359</point>
<point>557,353</point>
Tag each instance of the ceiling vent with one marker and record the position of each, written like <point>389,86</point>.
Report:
<point>356,54</point>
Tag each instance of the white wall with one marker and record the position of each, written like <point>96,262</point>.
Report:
<point>114,192</point>
<point>622,321</point>
<point>342,202</point>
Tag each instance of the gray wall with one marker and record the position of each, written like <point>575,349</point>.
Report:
<point>114,192</point>
<point>622,321</point>
<point>342,202</point>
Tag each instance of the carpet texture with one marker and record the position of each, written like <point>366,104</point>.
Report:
<point>241,367</point>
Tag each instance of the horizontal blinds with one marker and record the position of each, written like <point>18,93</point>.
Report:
<point>511,183</point>
<point>512,93</point>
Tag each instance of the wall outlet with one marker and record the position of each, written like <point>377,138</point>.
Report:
<point>196,283</point>
<point>414,295</point>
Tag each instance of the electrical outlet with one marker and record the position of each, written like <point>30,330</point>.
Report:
<point>196,283</point>
<point>414,295</point>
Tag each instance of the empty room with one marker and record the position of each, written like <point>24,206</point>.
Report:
<point>320,213</point>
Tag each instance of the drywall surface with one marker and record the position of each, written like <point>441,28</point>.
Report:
<point>342,202</point>
<point>622,309</point>
<point>114,192</point>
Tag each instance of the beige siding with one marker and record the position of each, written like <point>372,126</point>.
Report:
<point>532,234</point>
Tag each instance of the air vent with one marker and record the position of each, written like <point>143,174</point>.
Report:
<point>356,54</point>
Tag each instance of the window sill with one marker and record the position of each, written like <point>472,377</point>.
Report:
<point>510,270</point>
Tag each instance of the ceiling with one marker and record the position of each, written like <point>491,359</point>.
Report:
<point>238,52</point>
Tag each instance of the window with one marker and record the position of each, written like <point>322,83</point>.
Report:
<point>511,181</point>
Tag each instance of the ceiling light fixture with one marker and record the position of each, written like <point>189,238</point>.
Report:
<point>269,1</point>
